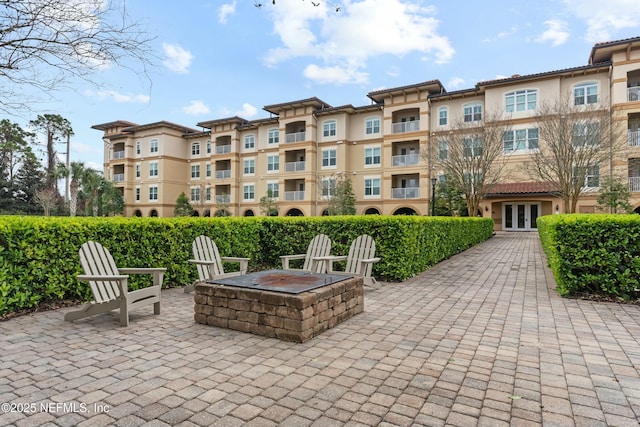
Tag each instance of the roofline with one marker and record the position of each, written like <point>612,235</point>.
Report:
<point>614,43</point>
<point>313,101</point>
<point>375,95</point>
<point>209,123</point>
<point>115,123</point>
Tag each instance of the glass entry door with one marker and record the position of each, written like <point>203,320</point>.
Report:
<point>520,216</point>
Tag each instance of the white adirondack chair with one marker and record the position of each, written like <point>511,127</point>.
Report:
<point>320,246</point>
<point>109,285</point>
<point>359,261</point>
<point>209,262</point>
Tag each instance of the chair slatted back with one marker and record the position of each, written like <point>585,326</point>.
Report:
<point>364,247</point>
<point>96,260</point>
<point>319,246</point>
<point>205,249</point>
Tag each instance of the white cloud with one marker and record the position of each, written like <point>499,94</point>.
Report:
<point>455,83</point>
<point>605,18</point>
<point>363,29</point>
<point>226,10</point>
<point>118,97</point>
<point>556,32</point>
<point>247,111</point>
<point>196,108</point>
<point>177,59</point>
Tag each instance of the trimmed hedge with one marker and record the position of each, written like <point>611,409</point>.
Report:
<point>39,255</point>
<point>593,253</point>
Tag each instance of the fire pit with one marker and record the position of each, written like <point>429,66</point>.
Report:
<point>286,304</point>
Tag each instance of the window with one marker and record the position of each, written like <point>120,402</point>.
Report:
<point>208,147</point>
<point>443,116</point>
<point>273,136</point>
<point>443,149</point>
<point>472,112</point>
<point>153,169</point>
<point>328,187</point>
<point>586,134</point>
<point>585,93</point>
<point>208,168</point>
<point>207,194</point>
<point>521,100</point>
<point>273,163</point>
<point>591,175</point>
<point>249,166</point>
<point>153,193</point>
<point>329,128</point>
<point>249,192</point>
<point>273,188</point>
<point>195,171</point>
<point>372,187</point>
<point>372,156</point>
<point>195,149</point>
<point>153,146</point>
<point>138,173</point>
<point>372,125</point>
<point>329,158</point>
<point>472,147</point>
<point>138,147</point>
<point>137,194</point>
<point>195,194</point>
<point>249,142</point>
<point>520,139</point>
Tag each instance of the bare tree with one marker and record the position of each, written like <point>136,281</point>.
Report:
<point>574,142</point>
<point>48,199</point>
<point>471,157</point>
<point>45,44</point>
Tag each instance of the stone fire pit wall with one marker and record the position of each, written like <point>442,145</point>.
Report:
<point>289,317</point>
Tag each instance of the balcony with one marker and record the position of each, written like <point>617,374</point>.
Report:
<point>633,94</point>
<point>118,155</point>
<point>405,160</point>
<point>293,196</point>
<point>406,193</point>
<point>118,177</point>
<point>223,149</point>
<point>295,137</point>
<point>222,174</point>
<point>403,127</point>
<point>634,138</point>
<point>294,166</point>
<point>222,199</point>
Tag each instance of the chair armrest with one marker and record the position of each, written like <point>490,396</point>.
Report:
<point>201,261</point>
<point>88,278</point>
<point>328,261</point>
<point>370,260</point>
<point>141,270</point>
<point>244,262</point>
<point>286,258</point>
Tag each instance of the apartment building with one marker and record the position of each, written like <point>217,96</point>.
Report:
<point>390,149</point>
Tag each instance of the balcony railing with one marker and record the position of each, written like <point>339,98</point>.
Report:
<point>294,166</point>
<point>223,149</point>
<point>223,174</point>
<point>405,160</point>
<point>402,127</point>
<point>294,195</point>
<point>633,93</point>
<point>406,193</point>
<point>118,155</point>
<point>295,137</point>
<point>224,198</point>
<point>634,138</point>
<point>118,177</point>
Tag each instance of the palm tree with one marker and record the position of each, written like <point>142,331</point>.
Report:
<point>92,182</point>
<point>77,172</point>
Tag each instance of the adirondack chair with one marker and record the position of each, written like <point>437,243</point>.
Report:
<point>359,261</point>
<point>209,262</point>
<point>109,285</point>
<point>320,246</point>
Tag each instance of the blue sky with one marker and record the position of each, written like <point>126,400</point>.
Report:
<point>220,58</point>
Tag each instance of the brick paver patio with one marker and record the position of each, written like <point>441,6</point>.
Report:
<point>480,339</point>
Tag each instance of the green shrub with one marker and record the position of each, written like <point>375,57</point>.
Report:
<point>593,254</point>
<point>39,255</point>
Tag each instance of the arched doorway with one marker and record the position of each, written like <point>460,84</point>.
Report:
<point>195,213</point>
<point>249,212</point>
<point>207,213</point>
<point>294,212</point>
<point>153,213</point>
<point>137,213</point>
<point>405,211</point>
<point>223,212</point>
<point>325,212</point>
<point>372,211</point>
